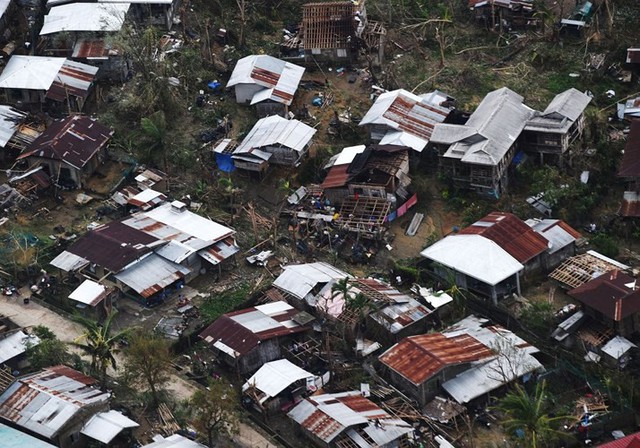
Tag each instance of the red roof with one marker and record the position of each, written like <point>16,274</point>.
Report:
<point>418,358</point>
<point>74,140</point>
<point>630,163</point>
<point>337,176</point>
<point>630,441</point>
<point>630,207</point>
<point>511,234</point>
<point>613,294</point>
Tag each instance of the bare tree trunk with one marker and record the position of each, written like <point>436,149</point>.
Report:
<point>242,7</point>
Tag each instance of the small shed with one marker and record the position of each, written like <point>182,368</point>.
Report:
<point>267,82</point>
<point>106,426</point>
<point>70,150</point>
<point>28,81</point>
<point>279,384</point>
<point>618,352</point>
<point>93,297</point>
<point>276,140</point>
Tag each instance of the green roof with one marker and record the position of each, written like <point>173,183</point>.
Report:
<point>12,438</point>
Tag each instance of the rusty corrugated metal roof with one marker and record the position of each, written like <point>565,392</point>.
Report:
<point>74,78</point>
<point>74,140</point>
<point>418,358</point>
<point>630,207</point>
<point>510,233</point>
<point>113,245</point>
<point>337,176</point>
<point>615,295</point>
<point>630,163</point>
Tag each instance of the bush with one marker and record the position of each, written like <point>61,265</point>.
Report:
<point>606,245</point>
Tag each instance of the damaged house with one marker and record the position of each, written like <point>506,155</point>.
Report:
<point>468,360</point>
<point>549,134</point>
<point>70,150</point>
<point>347,419</point>
<point>402,118</point>
<point>53,404</point>
<point>505,15</point>
<point>273,140</point>
<point>28,82</point>
<point>247,339</point>
<point>478,154</point>
<point>336,32</point>
<point>266,82</point>
<point>149,255</point>
<point>629,171</point>
<point>80,31</point>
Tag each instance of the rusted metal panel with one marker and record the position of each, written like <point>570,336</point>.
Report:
<point>511,234</point>
<point>615,295</point>
<point>630,163</point>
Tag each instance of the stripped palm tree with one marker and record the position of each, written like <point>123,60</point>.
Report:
<point>98,342</point>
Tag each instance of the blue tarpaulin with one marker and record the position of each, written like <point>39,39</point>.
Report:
<point>214,85</point>
<point>225,163</point>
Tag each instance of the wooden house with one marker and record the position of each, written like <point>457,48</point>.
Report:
<point>478,155</point>
<point>468,360</point>
<point>246,339</point>
<point>548,135</point>
<point>70,150</point>
<point>505,15</point>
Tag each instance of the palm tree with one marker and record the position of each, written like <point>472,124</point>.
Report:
<point>529,414</point>
<point>99,344</point>
<point>153,138</point>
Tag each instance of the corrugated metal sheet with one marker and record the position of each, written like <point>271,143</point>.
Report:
<point>10,120</point>
<point>275,376</point>
<point>491,130</point>
<point>85,17</point>
<point>475,256</point>
<point>89,293</point>
<point>16,344</point>
<point>633,55</point>
<point>74,78</point>
<point>93,49</point>
<point>112,246</point>
<point>510,233</point>
<point>74,140</point>
<point>151,275</point>
<point>614,294</point>
<point>630,441</point>
<point>243,330</point>
<point>173,441</point>
<point>404,111</point>
<point>399,316</point>
<point>147,199</point>
<point>30,72</point>
<point>630,163</point>
<point>570,104</point>
<point>418,358</point>
<point>277,131</point>
<point>558,233</point>
<point>300,279</point>
<point>345,414</point>
<point>69,262</point>
<point>630,206</point>
<point>220,251</point>
<point>44,402</point>
<point>618,346</point>
<point>105,426</point>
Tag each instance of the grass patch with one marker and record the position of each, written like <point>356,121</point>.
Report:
<point>216,305</point>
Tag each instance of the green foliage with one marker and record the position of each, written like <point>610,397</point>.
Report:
<point>216,306</point>
<point>605,244</point>
<point>538,317</point>
<point>215,411</point>
<point>531,413</point>
<point>148,363</point>
<point>99,344</point>
<point>49,352</point>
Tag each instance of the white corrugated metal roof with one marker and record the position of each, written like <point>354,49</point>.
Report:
<point>30,72</point>
<point>16,344</point>
<point>275,130</point>
<point>85,17</point>
<point>275,376</point>
<point>618,346</point>
<point>570,104</point>
<point>558,237</point>
<point>88,292</point>
<point>497,122</point>
<point>400,315</point>
<point>174,441</point>
<point>300,279</point>
<point>69,262</point>
<point>10,119</point>
<point>280,79</point>
<point>175,251</point>
<point>349,153</point>
<point>475,256</point>
<point>105,426</point>
<point>151,275</point>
